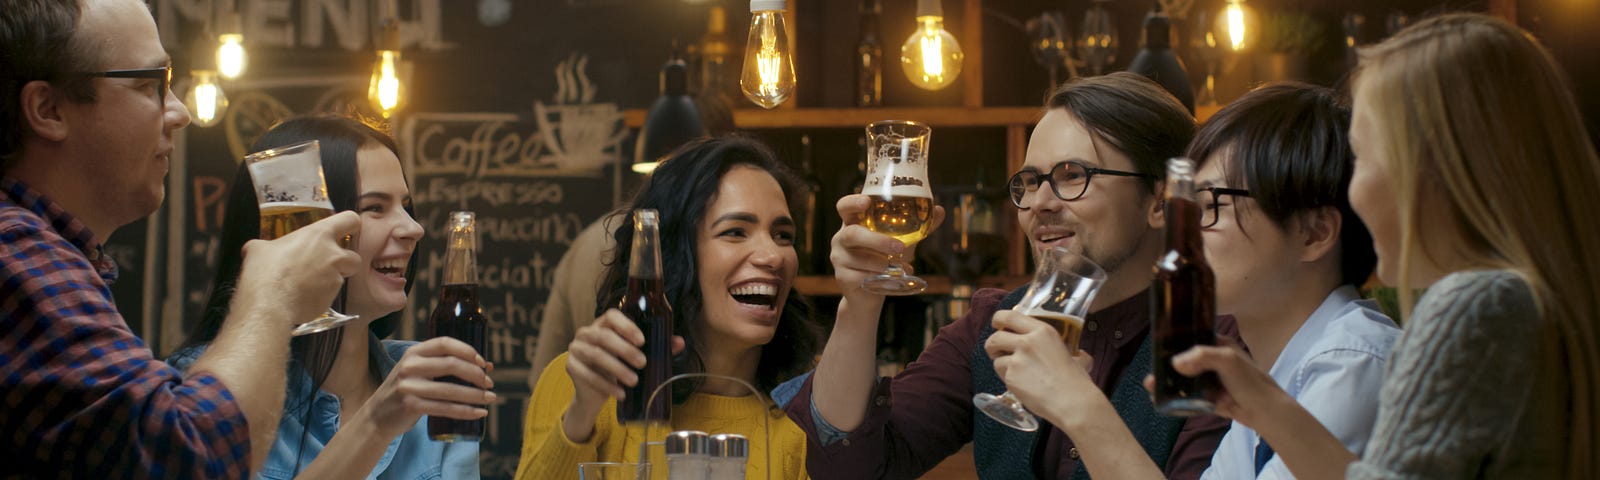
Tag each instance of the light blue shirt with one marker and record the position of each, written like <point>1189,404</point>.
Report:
<point>410,456</point>
<point>1334,366</point>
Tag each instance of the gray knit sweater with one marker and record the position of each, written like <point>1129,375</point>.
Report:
<point>1465,395</point>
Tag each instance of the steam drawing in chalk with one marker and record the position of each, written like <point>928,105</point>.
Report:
<point>579,135</point>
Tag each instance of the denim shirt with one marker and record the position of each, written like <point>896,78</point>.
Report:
<point>410,456</point>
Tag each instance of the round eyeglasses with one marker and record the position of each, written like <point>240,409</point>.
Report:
<point>1069,180</point>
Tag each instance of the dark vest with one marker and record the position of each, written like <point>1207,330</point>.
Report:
<point>1001,452</point>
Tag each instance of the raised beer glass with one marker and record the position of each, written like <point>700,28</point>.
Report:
<point>291,193</point>
<point>1062,289</point>
<point>902,199</point>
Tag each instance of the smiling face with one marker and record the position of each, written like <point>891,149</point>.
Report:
<point>126,133</point>
<point>1110,223</point>
<point>1251,255</point>
<point>388,235</point>
<point>746,259</point>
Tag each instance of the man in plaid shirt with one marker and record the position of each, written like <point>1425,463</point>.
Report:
<point>86,122</point>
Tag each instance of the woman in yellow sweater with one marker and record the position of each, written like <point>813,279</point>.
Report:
<point>728,254</point>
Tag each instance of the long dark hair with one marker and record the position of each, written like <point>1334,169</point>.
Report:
<point>1290,148</point>
<point>340,139</point>
<point>681,190</point>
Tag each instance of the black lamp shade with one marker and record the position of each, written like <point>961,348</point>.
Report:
<point>1157,62</point>
<point>672,121</point>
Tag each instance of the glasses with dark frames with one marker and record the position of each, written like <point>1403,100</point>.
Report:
<point>164,74</point>
<point>1210,199</point>
<point>1069,180</point>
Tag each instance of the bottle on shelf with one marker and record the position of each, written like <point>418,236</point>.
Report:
<point>806,238</point>
<point>716,84</point>
<point>869,57</point>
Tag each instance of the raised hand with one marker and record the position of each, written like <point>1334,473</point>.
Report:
<point>301,271</point>
<point>1038,368</point>
<point>601,361</point>
<point>858,253</point>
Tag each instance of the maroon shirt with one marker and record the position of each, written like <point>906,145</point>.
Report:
<point>925,413</point>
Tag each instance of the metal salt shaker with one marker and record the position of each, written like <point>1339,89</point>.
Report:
<point>688,455</point>
<point>729,454</point>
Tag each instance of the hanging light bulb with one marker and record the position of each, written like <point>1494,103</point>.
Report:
<point>231,57</point>
<point>385,90</point>
<point>931,57</point>
<point>205,100</point>
<point>768,75</point>
<point>1238,26</point>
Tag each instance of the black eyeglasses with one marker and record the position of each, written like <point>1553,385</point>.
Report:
<point>1068,180</point>
<point>164,74</point>
<point>1210,199</point>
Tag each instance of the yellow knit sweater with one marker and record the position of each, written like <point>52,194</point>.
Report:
<point>547,454</point>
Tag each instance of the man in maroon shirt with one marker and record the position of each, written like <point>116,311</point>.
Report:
<point>1088,184</point>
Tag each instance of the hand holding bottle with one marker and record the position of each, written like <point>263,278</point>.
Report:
<point>603,360</point>
<point>412,390</point>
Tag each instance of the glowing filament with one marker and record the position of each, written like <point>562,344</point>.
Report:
<point>1236,31</point>
<point>932,50</point>
<point>230,55</point>
<point>205,102</point>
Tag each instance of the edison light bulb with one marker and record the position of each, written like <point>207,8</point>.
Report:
<point>768,75</point>
<point>385,91</point>
<point>1238,26</point>
<point>931,57</point>
<point>231,58</point>
<point>205,99</point>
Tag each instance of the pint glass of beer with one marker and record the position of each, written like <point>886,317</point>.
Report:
<point>292,194</point>
<point>1063,287</point>
<point>902,198</point>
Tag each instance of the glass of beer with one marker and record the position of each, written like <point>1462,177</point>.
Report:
<point>1062,289</point>
<point>902,199</point>
<point>292,194</point>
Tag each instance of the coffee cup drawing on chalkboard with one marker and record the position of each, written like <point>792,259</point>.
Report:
<point>579,135</point>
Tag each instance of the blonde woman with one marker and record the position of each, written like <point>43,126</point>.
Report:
<point>1478,182</point>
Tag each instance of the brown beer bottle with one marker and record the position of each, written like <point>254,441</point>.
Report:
<point>1183,299</point>
<point>646,303</point>
<point>457,315</point>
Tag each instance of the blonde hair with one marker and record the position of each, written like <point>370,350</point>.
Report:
<point>1472,108</point>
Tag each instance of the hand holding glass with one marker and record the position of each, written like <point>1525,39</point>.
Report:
<point>1060,294</point>
<point>902,199</point>
<point>292,194</point>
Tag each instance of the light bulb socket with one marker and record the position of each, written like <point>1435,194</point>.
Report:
<point>766,5</point>
<point>388,35</point>
<point>930,8</point>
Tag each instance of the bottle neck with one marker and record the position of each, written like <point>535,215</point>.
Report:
<point>461,259</point>
<point>645,259</point>
<point>1182,216</point>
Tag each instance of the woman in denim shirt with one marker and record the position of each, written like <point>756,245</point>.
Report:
<point>355,405</point>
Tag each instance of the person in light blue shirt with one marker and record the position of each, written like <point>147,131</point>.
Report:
<point>356,406</point>
<point>1288,253</point>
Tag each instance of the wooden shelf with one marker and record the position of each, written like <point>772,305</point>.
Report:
<point>825,286</point>
<point>860,117</point>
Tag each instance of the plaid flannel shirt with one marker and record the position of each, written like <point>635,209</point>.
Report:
<point>80,395</point>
